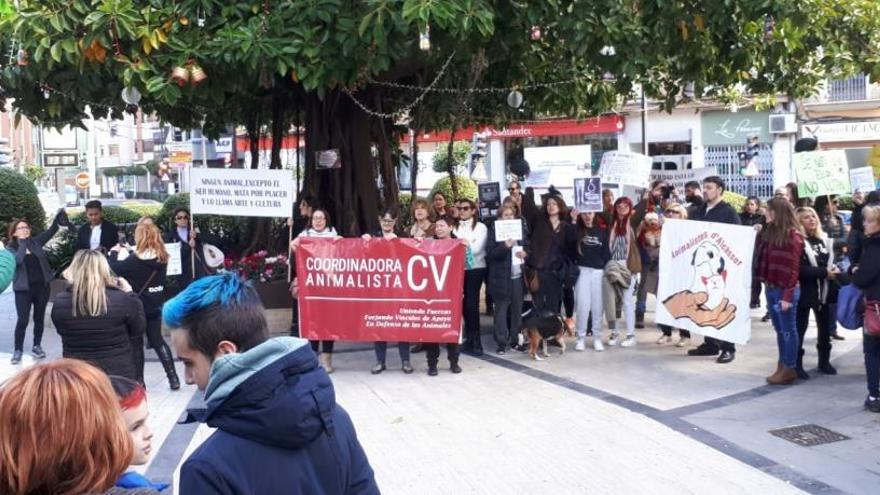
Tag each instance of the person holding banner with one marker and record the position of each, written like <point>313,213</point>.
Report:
<point>714,209</point>
<point>422,226</point>
<point>191,244</point>
<point>387,230</point>
<point>677,212</point>
<point>319,227</point>
<point>625,262</point>
<point>442,230</point>
<point>779,249</point>
<point>473,233</point>
<point>144,268</point>
<point>505,259</point>
<point>592,256</point>
<point>818,274</point>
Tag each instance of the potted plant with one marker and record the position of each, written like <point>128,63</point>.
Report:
<point>268,275</point>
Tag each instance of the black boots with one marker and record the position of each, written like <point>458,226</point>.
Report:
<point>167,360</point>
<point>453,366</point>
<point>825,366</point>
<point>799,369</point>
<point>640,320</point>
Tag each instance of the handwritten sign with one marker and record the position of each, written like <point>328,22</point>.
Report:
<point>588,194</point>
<point>821,172</point>
<point>629,169</point>
<point>508,229</point>
<point>862,179</point>
<point>241,193</point>
<point>175,263</point>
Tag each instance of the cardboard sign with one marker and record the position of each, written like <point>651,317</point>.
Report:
<point>241,192</point>
<point>821,172</point>
<point>175,263</point>
<point>629,169</point>
<point>862,179</point>
<point>508,229</point>
<point>399,290</point>
<point>490,198</point>
<point>588,194</point>
<point>679,178</point>
<point>705,279</point>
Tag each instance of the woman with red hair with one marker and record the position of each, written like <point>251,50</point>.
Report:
<point>70,439</point>
<point>622,272</point>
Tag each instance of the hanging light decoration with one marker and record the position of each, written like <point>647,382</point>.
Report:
<point>608,51</point>
<point>23,58</point>
<point>535,33</point>
<point>180,75</point>
<point>196,73</point>
<point>425,39</point>
<point>769,27</point>
<point>608,77</point>
<point>514,99</point>
<point>131,95</point>
<point>46,94</point>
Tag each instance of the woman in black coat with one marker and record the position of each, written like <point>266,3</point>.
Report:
<point>190,242</point>
<point>144,268</point>
<point>552,246</point>
<point>866,276</point>
<point>31,283</point>
<point>505,280</point>
<point>98,316</point>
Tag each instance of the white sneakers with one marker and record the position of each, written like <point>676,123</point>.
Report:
<point>664,339</point>
<point>579,345</point>
<point>612,341</point>
<point>683,342</point>
<point>630,341</point>
<point>597,345</point>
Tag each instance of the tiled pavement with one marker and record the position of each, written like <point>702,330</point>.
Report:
<point>624,421</point>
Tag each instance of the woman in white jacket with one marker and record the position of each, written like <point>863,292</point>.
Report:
<point>475,234</point>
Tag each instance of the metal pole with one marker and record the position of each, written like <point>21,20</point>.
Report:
<point>204,147</point>
<point>644,124</point>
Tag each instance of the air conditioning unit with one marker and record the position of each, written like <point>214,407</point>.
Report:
<point>782,123</point>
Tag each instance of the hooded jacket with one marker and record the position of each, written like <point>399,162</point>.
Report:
<point>279,429</point>
<point>140,270</point>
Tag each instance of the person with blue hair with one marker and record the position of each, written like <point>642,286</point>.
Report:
<point>278,426</point>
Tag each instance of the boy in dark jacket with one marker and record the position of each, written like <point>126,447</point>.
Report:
<point>279,429</point>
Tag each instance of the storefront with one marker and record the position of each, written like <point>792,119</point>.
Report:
<point>860,140</point>
<point>725,135</point>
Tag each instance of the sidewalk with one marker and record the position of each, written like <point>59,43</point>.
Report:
<point>634,420</point>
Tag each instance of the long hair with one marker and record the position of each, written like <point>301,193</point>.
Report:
<point>784,220</point>
<point>583,228</point>
<point>681,210</point>
<point>806,210</point>
<point>90,275</point>
<point>147,238</point>
<point>563,208</point>
<point>620,224</point>
<point>421,203</point>
<point>63,431</point>
<point>13,241</point>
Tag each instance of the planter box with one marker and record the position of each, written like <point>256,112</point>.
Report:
<point>275,295</point>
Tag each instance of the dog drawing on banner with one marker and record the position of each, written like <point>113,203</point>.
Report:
<point>704,302</point>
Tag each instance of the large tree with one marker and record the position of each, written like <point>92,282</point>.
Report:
<point>322,64</point>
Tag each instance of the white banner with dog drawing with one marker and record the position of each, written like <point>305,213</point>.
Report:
<point>705,279</point>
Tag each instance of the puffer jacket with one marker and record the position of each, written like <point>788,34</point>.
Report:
<point>102,340</point>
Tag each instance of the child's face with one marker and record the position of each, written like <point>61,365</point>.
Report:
<point>141,436</point>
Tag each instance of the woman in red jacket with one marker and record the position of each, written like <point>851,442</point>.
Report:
<point>780,246</point>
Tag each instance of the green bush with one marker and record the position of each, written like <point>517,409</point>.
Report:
<point>845,203</point>
<point>461,151</point>
<point>19,198</point>
<point>467,188</point>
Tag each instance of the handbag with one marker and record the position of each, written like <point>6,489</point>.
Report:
<point>147,283</point>
<point>872,318</point>
<point>530,277</point>
<point>850,311</point>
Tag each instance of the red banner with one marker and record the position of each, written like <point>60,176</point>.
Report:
<point>400,290</point>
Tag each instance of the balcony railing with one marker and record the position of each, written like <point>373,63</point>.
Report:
<point>852,89</point>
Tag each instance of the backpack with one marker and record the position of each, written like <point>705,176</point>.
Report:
<point>850,307</point>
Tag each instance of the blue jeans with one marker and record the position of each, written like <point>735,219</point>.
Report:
<point>785,324</point>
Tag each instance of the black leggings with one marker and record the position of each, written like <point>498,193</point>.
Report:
<point>325,345</point>
<point>38,297</point>
<point>473,281</point>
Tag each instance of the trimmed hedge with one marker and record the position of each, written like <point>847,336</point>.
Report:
<point>19,198</point>
<point>119,214</point>
<point>467,188</point>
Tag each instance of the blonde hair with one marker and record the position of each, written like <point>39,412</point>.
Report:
<point>806,210</point>
<point>63,431</point>
<point>90,275</point>
<point>681,210</point>
<point>147,238</point>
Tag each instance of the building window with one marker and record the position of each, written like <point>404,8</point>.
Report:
<point>148,146</point>
<point>113,150</point>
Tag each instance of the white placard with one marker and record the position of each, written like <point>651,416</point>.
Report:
<point>629,169</point>
<point>705,278</point>
<point>862,179</point>
<point>679,178</point>
<point>508,229</point>
<point>516,260</point>
<point>241,192</point>
<point>588,194</point>
<point>175,263</point>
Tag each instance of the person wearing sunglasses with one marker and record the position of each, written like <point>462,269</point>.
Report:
<point>474,233</point>
<point>515,190</point>
<point>191,241</point>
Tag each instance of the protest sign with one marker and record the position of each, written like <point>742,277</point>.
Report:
<point>588,194</point>
<point>399,290</point>
<point>240,192</point>
<point>679,178</point>
<point>629,169</point>
<point>862,179</point>
<point>489,194</point>
<point>705,279</point>
<point>175,263</point>
<point>821,172</point>
<point>508,229</point>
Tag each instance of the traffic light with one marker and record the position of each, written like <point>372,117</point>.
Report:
<point>478,150</point>
<point>748,159</point>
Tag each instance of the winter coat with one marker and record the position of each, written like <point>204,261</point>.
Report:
<point>615,281</point>
<point>102,340</point>
<point>35,244</point>
<point>109,236</point>
<point>279,429</point>
<point>500,261</point>
<point>186,255</point>
<point>542,233</point>
<point>7,268</point>
<point>779,266</point>
<point>867,276</point>
<point>816,288</point>
<point>721,213</point>
<point>751,219</point>
<point>138,271</point>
